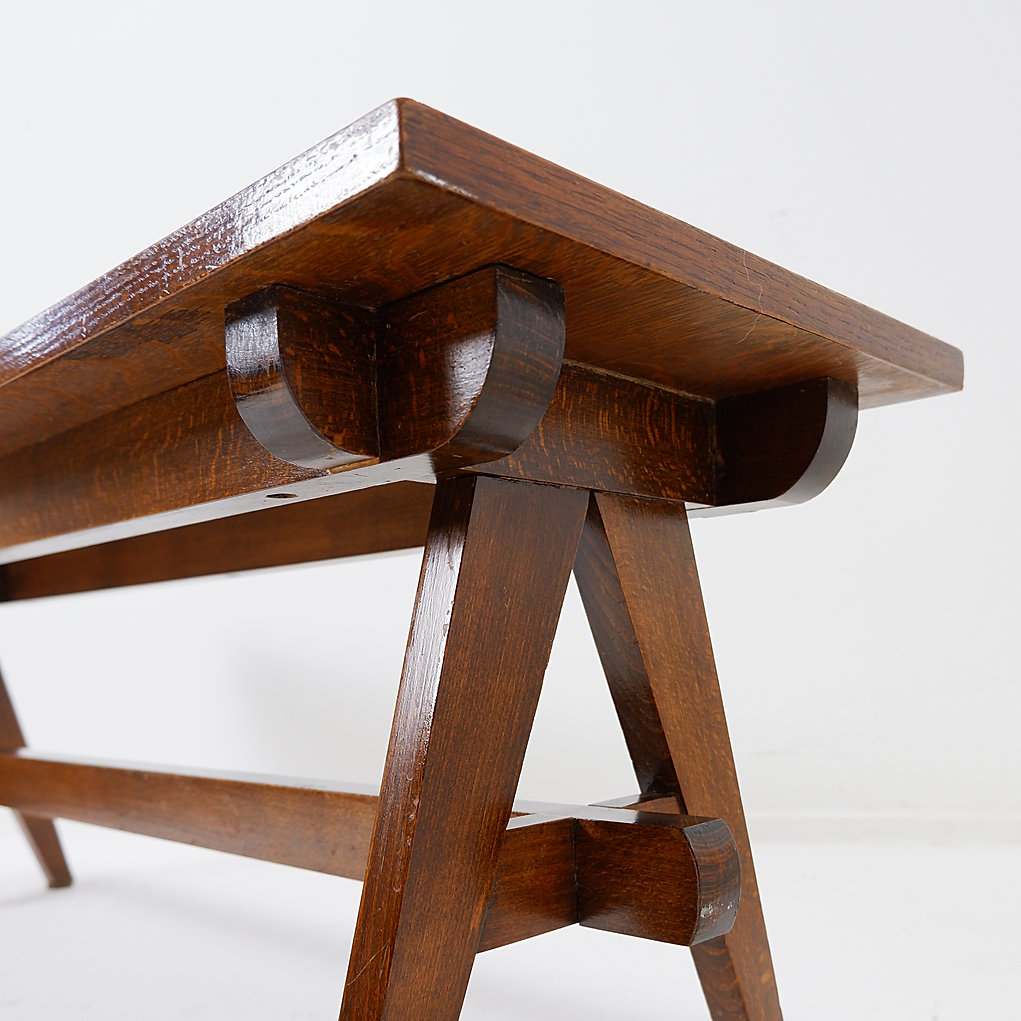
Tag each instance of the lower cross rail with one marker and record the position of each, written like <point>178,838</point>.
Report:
<point>653,873</point>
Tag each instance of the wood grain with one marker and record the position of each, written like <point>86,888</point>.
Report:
<point>349,524</point>
<point>636,573</point>
<point>603,431</point>
<point>691,297</point>
<point>675,882</point>
<point>186,456</point>
<point>493,578</point>
<point>302,371</point>
<point>316,825</point>
<point>535,887</point>
<point>667,803</point>
<point>460,373</point>
<point>552,870</point>
<point>407,198</point>
<point>467,369</point>
<point>186,452</point>
<point>415,302</point>
<point>782,446</point>
<point>40,833</point>
<point>313,825</point>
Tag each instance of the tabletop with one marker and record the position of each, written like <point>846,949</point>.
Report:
<point>407,197</point>
<point>115,405</point>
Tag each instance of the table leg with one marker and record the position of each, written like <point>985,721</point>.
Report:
<point>638,581</point>
<point>496,565</point>
<point>40,833</point>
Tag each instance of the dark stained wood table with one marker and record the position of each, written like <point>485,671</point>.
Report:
<point>416,334</point>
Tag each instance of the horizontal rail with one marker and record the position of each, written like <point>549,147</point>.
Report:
<point>374,520</point>
<point>655,874</point>
<point>318,826</point>
<point>185,457</point>
<point>321,826</point>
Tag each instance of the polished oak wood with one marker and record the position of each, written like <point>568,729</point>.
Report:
<point>459,374</point>
<point>187,457</point>
<point>557,865</point>
<point>535,887</point>
<point>173,452</point>
<point>316,825</point>
<point>639,585</point>
<point>287,349</point>
<point>468,692</point>
<point>416,333</point>
<point>678,884</point>
<point>467,369</point>
<point>363,521</point>
<point>42,838</point>
<point>407,198</point>
<point>39,832</point>
<point>782,446</point>
<point>395,210</point>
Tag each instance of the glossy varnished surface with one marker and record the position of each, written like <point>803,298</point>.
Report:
<point>407,198</point>
<point>414,302</point>
<point>637,577</point>
<point>458,374</point>
<point>553,869</point>
<point>39,832</point>
<point>364,521</point>
<point>679,883</point>
<point>494,573</point>
<point>314,825</point>
<point>187,457</point>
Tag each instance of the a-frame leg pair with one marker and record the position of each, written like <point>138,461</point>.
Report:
<point>494,574</point>
<point>40,833</point>
<point>637,576</point>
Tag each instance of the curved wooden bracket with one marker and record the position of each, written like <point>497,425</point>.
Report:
<point>632,437</point>
<point>781,446</point>
<point>302,372</point>
<point>671,878</point>
<point>460,374</point>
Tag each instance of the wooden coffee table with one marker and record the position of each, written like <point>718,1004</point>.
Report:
<point>416,334</point>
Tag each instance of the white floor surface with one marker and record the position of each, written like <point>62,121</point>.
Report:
<point>912,930</point>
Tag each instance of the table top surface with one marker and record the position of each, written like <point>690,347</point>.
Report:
<point>406,198</point>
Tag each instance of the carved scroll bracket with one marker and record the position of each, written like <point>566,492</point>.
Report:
<point>782,446</point>
<point>470,376</point>
<point>457,375</point>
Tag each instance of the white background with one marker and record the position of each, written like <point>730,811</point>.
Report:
<point>866,641</point>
